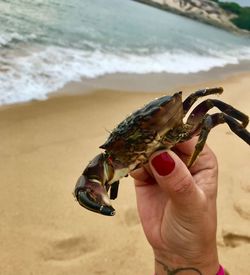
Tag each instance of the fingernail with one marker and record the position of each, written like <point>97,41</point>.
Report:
<point>163,164</point>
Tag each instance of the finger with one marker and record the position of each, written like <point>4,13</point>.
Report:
<point>187,147</point>
<point>142,177</point>
<point>175,179</point>
<point>205,160</point>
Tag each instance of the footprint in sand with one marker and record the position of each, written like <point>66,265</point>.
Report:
<point>234,239</point>
<point>131,217</point>
<point>68,248</point>
<point>242,207</point>
<point>245,186</point>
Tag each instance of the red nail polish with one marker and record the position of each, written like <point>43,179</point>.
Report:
<point>163,164</point>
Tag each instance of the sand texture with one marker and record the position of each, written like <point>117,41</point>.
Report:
<point>45,146</point>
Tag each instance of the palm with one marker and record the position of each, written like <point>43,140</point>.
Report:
<point>151,211</point>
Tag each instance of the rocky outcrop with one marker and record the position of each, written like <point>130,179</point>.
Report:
<point>203,10</point>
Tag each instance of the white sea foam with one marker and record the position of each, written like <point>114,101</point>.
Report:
<point>34,76</point>
<point>7,38</point>
<point>45,45</point>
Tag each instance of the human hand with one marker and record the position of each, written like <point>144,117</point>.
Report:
<point>177,208</point>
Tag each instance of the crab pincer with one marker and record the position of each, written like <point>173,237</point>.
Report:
<point>90,188</point>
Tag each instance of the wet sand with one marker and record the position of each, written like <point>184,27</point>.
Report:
<point>44,147</point>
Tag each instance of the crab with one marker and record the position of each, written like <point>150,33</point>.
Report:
<point>157,125</point>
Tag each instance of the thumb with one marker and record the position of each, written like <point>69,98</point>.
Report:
<point>175,179</point>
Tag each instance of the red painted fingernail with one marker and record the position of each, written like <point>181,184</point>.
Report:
<point>163,164</point>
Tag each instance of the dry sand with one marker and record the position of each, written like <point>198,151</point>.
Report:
<point>45,146</point>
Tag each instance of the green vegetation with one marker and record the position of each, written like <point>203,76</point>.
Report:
<point>243,14</point>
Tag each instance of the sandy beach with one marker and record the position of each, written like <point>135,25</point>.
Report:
<point>44,147</point>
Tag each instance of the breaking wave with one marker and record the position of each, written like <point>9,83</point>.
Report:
<point>33,76</point>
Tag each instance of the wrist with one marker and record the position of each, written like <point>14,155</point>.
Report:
<point>206,264</point>
<point>187,269</point>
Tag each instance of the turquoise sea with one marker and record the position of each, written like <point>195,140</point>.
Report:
<point>46,43</point>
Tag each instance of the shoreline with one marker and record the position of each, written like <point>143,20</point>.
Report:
<point>145,83</point>
<point>155,82</point>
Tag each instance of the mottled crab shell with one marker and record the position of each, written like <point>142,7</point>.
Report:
<point>142,133</point>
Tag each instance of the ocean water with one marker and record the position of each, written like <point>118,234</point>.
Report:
<point>46,43</point>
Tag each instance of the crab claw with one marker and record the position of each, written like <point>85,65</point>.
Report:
<point>93,196</point>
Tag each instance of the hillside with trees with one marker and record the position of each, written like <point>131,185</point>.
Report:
<point>242,18</point>
<point>226,15</point>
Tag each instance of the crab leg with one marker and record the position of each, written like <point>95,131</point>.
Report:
<point>204,125</point>
<point>196,116</point>
<point>211,121</point>
<point>114,190</point>
<point>190,100</point>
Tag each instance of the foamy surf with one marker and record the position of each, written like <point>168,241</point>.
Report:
<point>43,46</point>
<point>24,78</point>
